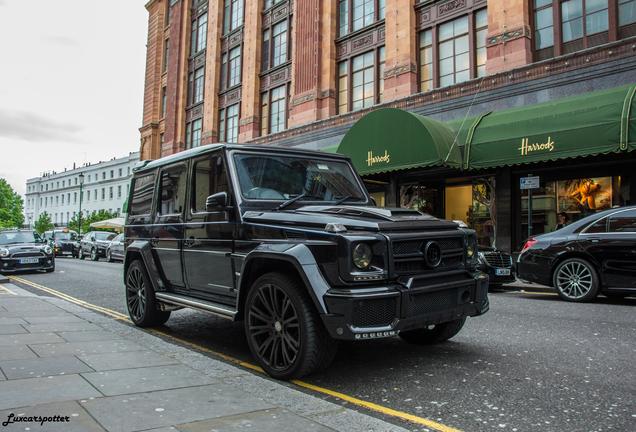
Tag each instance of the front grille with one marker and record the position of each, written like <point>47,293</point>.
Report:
<point>497,259</point>
<point>408,255</point>
<point>437,301</point>
<point>27,254</point>
<point>374,313</point>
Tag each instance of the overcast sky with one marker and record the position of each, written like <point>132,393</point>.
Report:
<point>71,83</point>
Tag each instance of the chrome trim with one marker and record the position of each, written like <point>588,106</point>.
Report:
<point>207,251</point>
<point>178,300</point>
<point>219,286</point>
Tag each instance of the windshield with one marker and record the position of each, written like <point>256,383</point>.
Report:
<point>286,177</point>
<point>65,236</point>
<point>19,237</point>
<point>104,236</point>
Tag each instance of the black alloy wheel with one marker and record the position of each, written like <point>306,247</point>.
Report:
<point>140,298</point>
<point>283,330</point>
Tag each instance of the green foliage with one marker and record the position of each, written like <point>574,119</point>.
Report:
<point>43,223</point>
<point>88,220</point>
<point>11,207</point>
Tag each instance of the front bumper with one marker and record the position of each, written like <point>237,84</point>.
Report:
<point>384,311</point>
<point>494,278</point>
<point>12,265</point>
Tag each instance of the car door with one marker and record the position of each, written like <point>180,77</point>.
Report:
<point>167,230</point>
<point>209,232</point>
<point>119,247</point>
<point>619,266</point>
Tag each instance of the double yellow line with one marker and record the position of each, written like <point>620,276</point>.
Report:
<point>342,396</point>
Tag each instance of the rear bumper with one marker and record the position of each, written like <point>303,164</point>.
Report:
<point>384,311</point>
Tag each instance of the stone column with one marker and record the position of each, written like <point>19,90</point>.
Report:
<point>210,133</point>
<point>509,35</point>
<point>249,125</point>
<point>400,73</point>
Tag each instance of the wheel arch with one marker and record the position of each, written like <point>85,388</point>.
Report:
<point>576,254</point>
<point>140,250</point>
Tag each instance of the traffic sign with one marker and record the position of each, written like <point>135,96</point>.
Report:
<point>530,182</point>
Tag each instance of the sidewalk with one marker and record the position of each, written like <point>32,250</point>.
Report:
<point>97,374</point>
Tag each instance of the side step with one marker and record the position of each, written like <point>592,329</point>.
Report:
<point>206,306</point>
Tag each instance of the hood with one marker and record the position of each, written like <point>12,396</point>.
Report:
<point>352,217</point>
<point>18,247</point>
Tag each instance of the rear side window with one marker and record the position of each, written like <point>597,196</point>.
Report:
<point>172,190</point>
<point>600,226</point>
<point>208,177</point>
<point>141,201</point>
<point>623,222</point>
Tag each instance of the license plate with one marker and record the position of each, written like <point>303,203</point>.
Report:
<point>502,272</point>
<point>29,260</point>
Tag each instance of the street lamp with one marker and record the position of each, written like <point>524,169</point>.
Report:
<point>79,220</point>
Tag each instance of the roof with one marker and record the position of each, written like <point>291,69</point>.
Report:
<point>202,150</point>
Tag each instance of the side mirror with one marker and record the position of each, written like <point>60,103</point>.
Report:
<point>217,201</point>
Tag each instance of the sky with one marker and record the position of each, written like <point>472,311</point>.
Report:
<point>71,83</point>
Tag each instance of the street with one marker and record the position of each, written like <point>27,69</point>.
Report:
<point>533,362</point>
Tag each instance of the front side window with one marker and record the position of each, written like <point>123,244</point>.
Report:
<point>600,226</point>
<point>141,201</point>
<point>285,177</point>
<point>172,189</point>
<point>208,177</point>
<point>623,222</point>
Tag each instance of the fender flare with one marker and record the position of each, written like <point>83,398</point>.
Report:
<point>143,248</point>
<point>299,256</point>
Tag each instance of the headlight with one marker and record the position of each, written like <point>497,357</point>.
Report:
<point>48,250</point>
<point>470,249</point>
<point>362,255</point>
<point>4,252</point>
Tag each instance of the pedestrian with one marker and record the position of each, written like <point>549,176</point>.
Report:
<point>562,220</point>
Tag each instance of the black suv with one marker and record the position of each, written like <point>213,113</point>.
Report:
<point>24,250</point>
<point>63,242</point>
<point>289,242</point>
<point>94,244</point>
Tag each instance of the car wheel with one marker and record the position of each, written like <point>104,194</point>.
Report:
<point>142,304</point>
<point>94,255</point>
<point>284,332</point>
<point>433,334</point>
<point>109,257</point>
<point>80,254</point>
<point>576,280</point>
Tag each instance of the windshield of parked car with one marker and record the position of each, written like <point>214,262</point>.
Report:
<point>65,236</point>
<point>272,177</point>
<point>104,236</point>
<point>19,237</point>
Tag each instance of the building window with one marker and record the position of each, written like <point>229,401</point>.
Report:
<point>270,3</point>
<point>193,133</point>
<point>361,81</point>
<point>199,34</point>
<point>112,173</point>
<point>103,194</point>
<point>354,15</point>
<point>381,63</point>
<point>164,101</point>
<point>166,53</point>
<point>275,50</point>
<point>74,197</point>
<point>119,191</point>
<point>426,60</point>
<point>232,15</point>
<point>481,33</point>
<point>228,124</point>
<point>454,52</point>
<point>104,175</point>
<point>120,172</point>
<point>231,70</point>
<point>195,86</point>
<point>110,193</point>
<point>626,12</point>
<point>274,110</point>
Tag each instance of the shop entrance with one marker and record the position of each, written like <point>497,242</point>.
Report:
<point>473,204</point>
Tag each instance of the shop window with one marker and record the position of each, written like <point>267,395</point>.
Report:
<point>421,197</point>
<point>473,204</point>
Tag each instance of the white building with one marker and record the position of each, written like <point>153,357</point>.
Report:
<point>106,186</point>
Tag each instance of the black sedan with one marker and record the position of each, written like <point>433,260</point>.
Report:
<point>24,250</point>
<point>94,244</point>
<point>498,265</point>
<point>595,254</point>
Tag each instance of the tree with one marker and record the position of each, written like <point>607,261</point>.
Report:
<point>89,219</point>
<point>43,223</point>
<point>11,207</point>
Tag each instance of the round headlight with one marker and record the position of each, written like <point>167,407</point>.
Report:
<point>470,249</point>
<point>48,250</point>
<point>362,255</point>
<point>4,252</point>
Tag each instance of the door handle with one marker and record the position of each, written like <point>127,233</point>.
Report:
<point>594,239</point>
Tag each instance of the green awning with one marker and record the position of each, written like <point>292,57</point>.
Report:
<point>390,139</point>
<point>594,123</point>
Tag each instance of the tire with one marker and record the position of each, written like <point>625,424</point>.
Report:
<point>433,335</point>
<point>109,257</point>
<point>576,280</point>
<point>51,270</point>
<point>141,303</point>
<point>283,329</point>
<point>80,254</point>
<point>94,255</point>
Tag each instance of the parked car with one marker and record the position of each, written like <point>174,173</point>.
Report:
<point>498,265</point>
<point>63,241</point>
<point>24,250</point>
<point>115,250</point>
<point>596,254</point>
<point>288,241</point>
<point>94,244</point>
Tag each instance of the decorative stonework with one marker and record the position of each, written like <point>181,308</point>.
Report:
<point>276,77</point>
<point>509,35</point>
<point>249,120</point>
<point>400,70</point>
<point>360,43</point>
<point>230,97</point>
<point>299,100</point>
<point>194,113</point>
<point>233,39</point>
<point>330,93</point>
<point>450,6</point>
<point>428,14</point>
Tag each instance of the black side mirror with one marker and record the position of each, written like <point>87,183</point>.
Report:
<point>217,201</point>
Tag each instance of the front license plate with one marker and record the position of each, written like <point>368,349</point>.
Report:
<point>502,272</point>
<point>29,260</point>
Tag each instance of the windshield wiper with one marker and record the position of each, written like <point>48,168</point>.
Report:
<point>292,200</point>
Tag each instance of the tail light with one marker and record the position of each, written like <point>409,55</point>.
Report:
<point>529,243</point>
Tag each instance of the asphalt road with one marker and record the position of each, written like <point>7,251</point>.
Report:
<point>532,363</point>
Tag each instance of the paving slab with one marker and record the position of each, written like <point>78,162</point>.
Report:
<point>96,335</point>
<point>79,419</point>
<point>35,391</point>
<point>11,320</point>
<point>271,420</point>
<point>29,338</point>
<point>126,360</point>
<point>125,381</point>
<point>39,367</point>
<point>145,411</point>
<point>65,318</point>
<point>82,348</point>
<point>61,327</point>
<point>7,329</point>
<point>16,352</point>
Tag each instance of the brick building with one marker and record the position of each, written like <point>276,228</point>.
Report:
<point>302,72</point>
